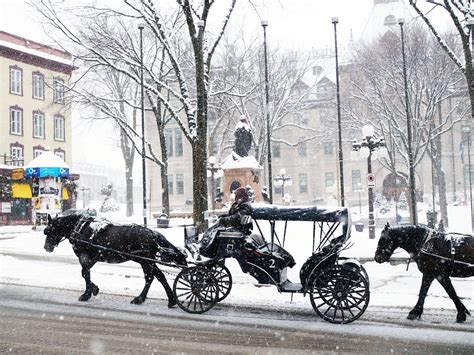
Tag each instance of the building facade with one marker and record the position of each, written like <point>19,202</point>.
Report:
<point>35,114</point>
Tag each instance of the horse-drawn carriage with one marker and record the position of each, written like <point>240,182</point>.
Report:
<point>337,287</point>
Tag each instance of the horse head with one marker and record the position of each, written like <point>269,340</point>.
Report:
<point>57,229</point>
<point>386,246</point>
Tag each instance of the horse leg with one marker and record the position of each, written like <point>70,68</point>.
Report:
<point>448,286</point>
<point>91,288</point>
<point>416,312</point>
<point>161,277</point>
<point>147,270</point>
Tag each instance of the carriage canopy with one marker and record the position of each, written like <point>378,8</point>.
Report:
<point>311,213</point>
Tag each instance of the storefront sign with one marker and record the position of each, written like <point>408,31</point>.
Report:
<point>6,207</point>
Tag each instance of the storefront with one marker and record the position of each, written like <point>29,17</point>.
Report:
<point>15,197</point>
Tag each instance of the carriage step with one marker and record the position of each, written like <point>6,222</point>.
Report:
<point>289,286</point>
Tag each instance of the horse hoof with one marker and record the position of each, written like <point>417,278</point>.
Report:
<point>137,300</point>
<point>171,304</point>
<point>95,291</point>
<point>84,298</point>
<point>414,315</point>
<point>461,318</point>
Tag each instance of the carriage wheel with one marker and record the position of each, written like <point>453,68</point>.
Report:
<point>340,294</point>
<point>224,281</point>
<point>195,289</point>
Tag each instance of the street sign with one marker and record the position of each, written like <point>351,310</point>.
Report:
<point>370,180</point>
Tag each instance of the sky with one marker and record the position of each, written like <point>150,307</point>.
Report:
<point>292,24</point>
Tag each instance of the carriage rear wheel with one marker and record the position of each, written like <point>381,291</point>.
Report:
<point>224,281</point>
<point>196,289</point>
<point>340,294</point>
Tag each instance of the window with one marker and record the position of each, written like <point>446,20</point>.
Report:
<point>16,80</point>
<point>59,128</point>
<point>60,153</point>
<point>38,124</point>
<point>58,90</point>
<point>16,120</point>
<point>329,177</point>
<point>169,141</point>
<point>303,183</point>
<point>38,86</point>
<point>302,147</point>
<point>179,184</point>
<point>356,180</point>
<point>328,148</point>
<point>276,150</point>
<point>37,151</point>
<point>16,153</point>
<point>178,134</point>
<point>170,184</point>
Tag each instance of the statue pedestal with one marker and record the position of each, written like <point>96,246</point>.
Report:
<point>241,172</point>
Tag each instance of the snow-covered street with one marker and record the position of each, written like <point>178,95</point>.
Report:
<point>394,291</point>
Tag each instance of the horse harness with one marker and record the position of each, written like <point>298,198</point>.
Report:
<point>427,247</point>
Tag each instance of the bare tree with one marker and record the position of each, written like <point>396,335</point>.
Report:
<point>377,87</point>
<point>460,12</point>
<point>189,90</point>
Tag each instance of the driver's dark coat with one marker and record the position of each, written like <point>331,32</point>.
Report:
<point>234,216</point>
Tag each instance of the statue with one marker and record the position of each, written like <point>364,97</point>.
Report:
<point>243,137</point>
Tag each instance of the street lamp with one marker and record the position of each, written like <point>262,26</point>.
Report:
<point>466,129</point>
<point>214,170</point>
<point>282,180</point>
<point>335,20</point>
<point>414,218</point>
<point>369,148</point>
<point>264,24</point>
<point>141,26</point>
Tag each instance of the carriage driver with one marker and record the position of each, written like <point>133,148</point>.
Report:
<point>239,213</point>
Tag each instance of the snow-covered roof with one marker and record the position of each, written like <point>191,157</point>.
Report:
<point>47,160</point>
<point>37,49</point>
<point>233,161</point>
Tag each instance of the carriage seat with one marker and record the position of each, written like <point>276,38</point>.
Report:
<point>256,242</point>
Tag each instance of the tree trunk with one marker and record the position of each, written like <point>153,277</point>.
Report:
<point>129,187</point>
<point>443,205</point>
<point>165,195</point>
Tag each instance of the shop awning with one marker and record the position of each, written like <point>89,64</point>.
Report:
<point>21,191</point>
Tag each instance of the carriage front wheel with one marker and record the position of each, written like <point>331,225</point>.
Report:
<point>340,293</point>
<point>224,281</point>
<point>196,289</point>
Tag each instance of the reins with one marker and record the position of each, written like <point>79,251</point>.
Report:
<point>122,253</point>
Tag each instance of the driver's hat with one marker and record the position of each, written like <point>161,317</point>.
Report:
<point>241,195</point>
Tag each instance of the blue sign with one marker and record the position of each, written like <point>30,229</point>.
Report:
<point>45,172</point>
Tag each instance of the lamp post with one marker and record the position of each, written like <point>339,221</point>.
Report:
<point>369,148</point>
<point>141,27</point>
<point>282,180</point>
<point>414,217</point>
<point>335,20</point>
<point>466,129</point>
<point>264,24</point>
<point>214,169</point>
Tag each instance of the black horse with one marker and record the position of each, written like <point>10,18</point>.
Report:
<point>438,256</point>
<point>96,240</point>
